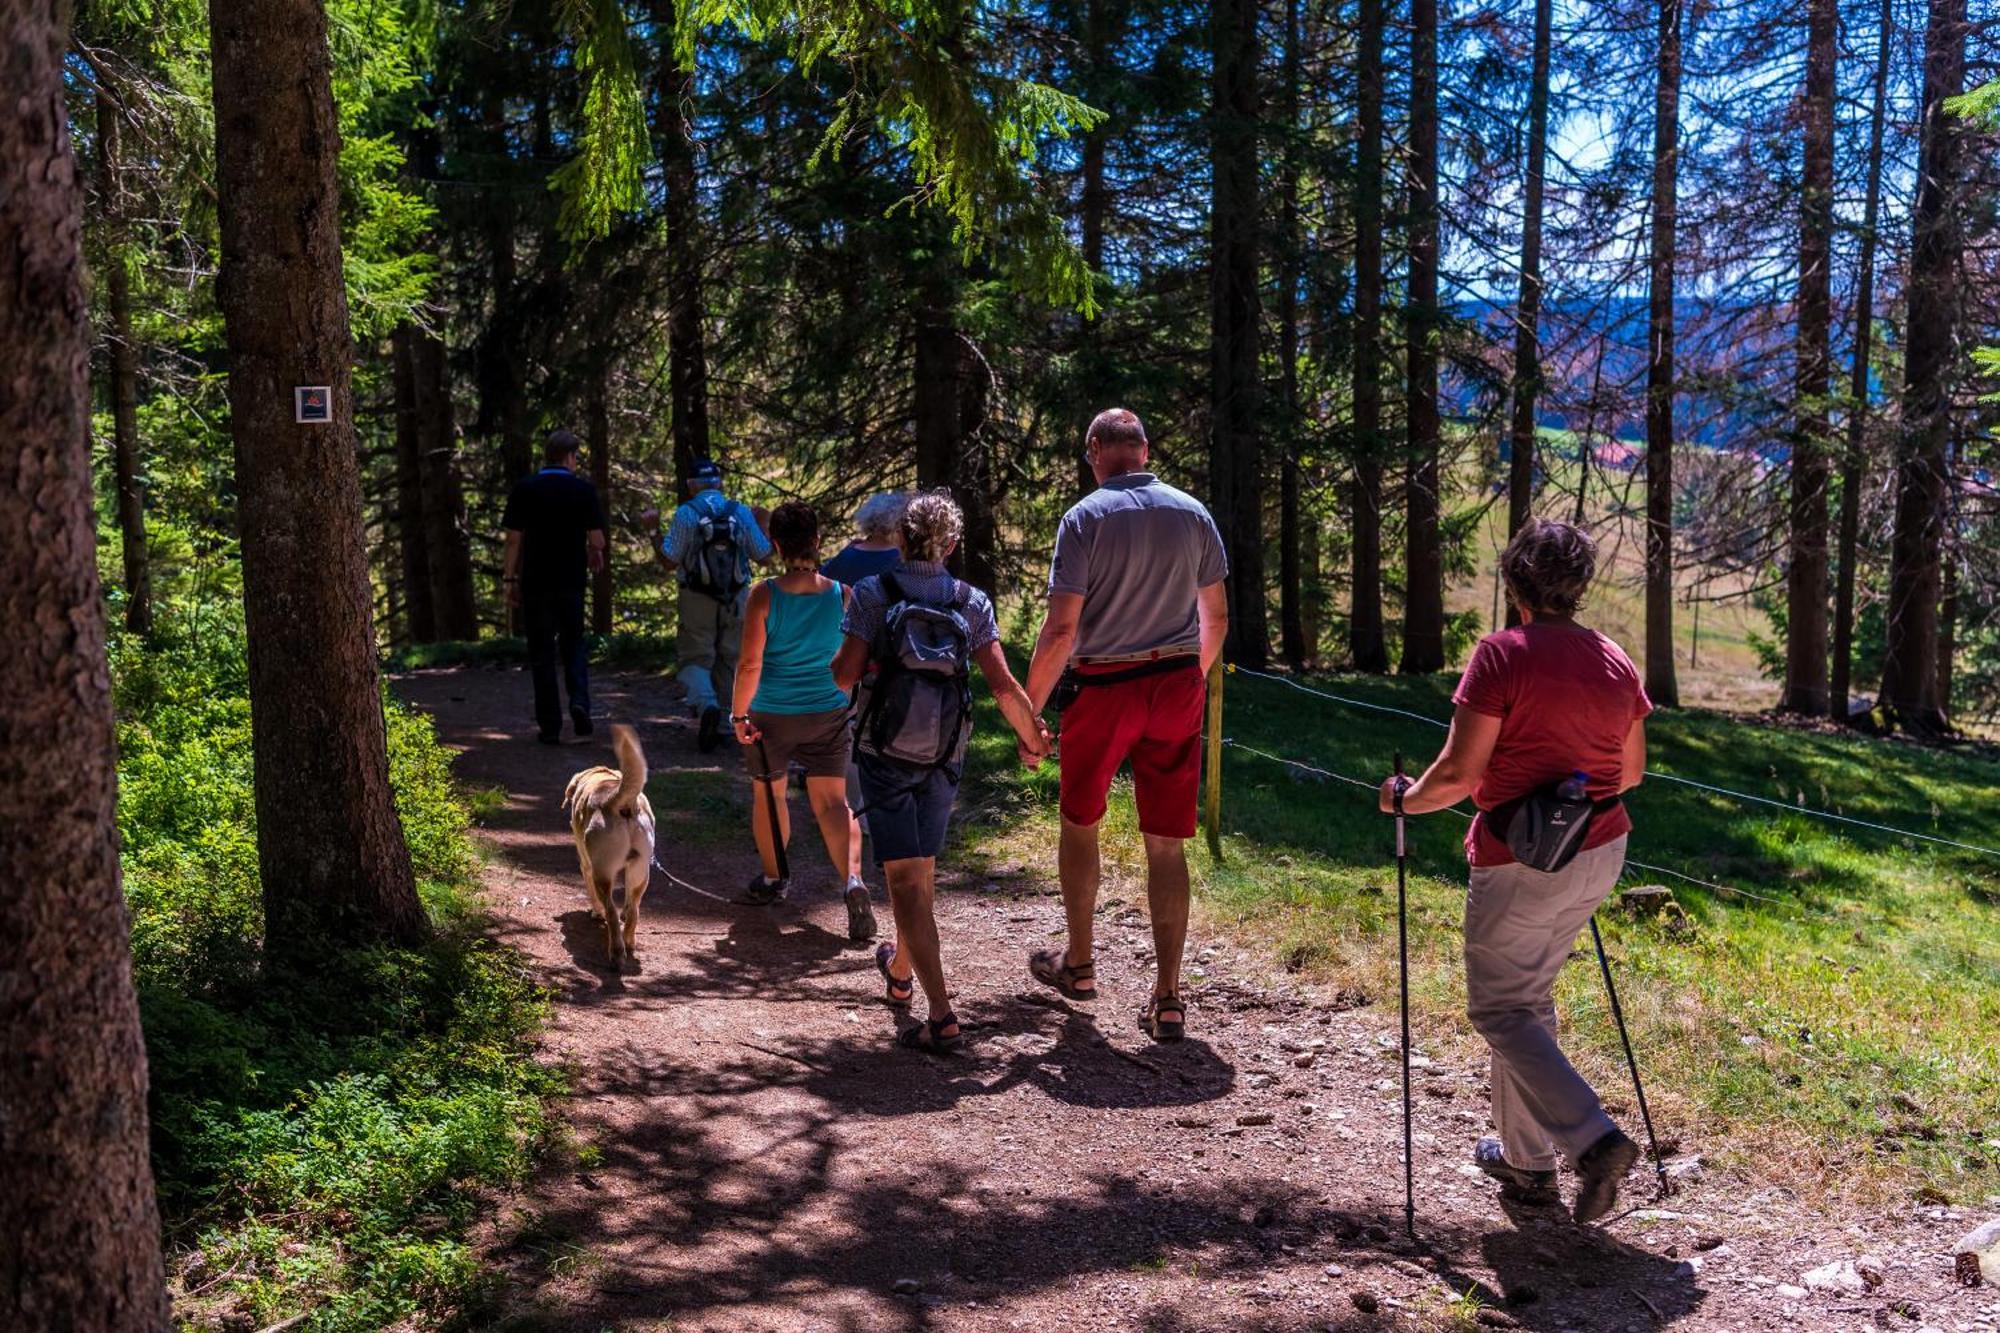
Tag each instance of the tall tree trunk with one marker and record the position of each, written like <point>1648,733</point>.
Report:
<point>1854,470</point>
<point>447,538</point>
<point>1522,438</point>
<point>412,534</point>
<point>687,357</point>
<point>597,428</point>
<point>1235,470</point>
<point>1365,641</point>
<point>1947,629</point>
<point>1805,577</point>
<point>1423,560</point>
<point>1661,683</point>
<point>82,1248</point>
<point>503,396</point>
<point>329,844</point>
<point>1095,376</point>
<point>124,358</point>
<point>1909,667</point>
<point>1291,590</point>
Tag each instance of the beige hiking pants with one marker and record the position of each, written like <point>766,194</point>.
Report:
<point>1520,925</point>
<point>706,644</point>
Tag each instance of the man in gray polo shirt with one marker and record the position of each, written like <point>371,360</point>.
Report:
<point>1137,615</point>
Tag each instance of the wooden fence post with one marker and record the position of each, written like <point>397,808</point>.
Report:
<point>1213,817</point>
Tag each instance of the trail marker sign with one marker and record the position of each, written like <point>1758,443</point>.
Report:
<point>312,404</point>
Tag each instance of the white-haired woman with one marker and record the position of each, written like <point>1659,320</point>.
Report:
<point>877,547</point>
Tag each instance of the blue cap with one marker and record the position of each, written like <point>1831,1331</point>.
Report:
<point>706,471</point>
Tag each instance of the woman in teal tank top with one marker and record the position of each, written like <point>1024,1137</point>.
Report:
<point>787,710</point>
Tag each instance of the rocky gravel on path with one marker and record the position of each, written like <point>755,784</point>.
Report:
<point>750,1152</point>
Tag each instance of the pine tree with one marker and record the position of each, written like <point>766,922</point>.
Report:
<point>1367,645</point>
<point>1423,600</point>
<point>1661,684</point>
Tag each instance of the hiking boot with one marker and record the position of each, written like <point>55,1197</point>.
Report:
<point>1599,1172</point>
<point>549,737</point>
<point>764,892</point>
<point>709,734</point>
<point>1536,1189</point>
<point>580,720</point>
<point>860,912</point>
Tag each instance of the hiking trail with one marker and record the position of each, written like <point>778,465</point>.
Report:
<point>751,1152</point>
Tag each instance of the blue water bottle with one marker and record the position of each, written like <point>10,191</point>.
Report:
<point>1573,787</point>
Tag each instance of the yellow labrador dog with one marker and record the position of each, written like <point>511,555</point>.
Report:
<point>613,824</point>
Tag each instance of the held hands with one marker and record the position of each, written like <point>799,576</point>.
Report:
<point>1393,786</point>
<point>1044,746</point>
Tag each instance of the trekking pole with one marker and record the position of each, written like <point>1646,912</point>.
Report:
<point>1618,1016</point>
<point>770,784</point>
<point>1403,954</point>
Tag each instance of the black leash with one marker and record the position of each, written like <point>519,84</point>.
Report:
<point>769,782</point>
<point>1618,1016</point>
<point>1403,954</point>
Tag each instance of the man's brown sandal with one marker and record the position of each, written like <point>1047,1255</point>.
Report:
<point>1052,968</point>
<point>1154,1024</point>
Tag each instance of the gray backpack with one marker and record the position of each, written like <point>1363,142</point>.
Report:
<point>917,711</point>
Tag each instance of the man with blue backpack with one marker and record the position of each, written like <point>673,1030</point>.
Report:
<point>710,544</point>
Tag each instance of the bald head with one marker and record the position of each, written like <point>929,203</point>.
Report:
<point>1116,443</point>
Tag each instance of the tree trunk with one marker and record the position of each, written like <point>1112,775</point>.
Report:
<point>1805,577</point>
<point>1096,378</point>
<point>124,358</point>
<point>597,428</point>
<point>447,537</point>
<point>82,1248</point>
<point>412,534</point>
<point>1854,471</point>
<point>1423,560</point>
<point>1366,643</point>
<point>687,358</point>
<point>1234,447</point>
<point>1909,667</point>
<point>1947,630</point>
<point>1291,591</point>
<point>1522,436</point>
<point>330,846</point>
<point>1660,675</point>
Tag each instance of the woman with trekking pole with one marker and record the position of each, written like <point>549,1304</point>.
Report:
<point>787,709</point>
<point>922,631</point>
<point>1549,731</point>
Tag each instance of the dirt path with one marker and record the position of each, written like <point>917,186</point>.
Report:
<point>753,1154</point>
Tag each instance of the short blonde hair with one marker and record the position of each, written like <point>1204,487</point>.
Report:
<point>932,525</point>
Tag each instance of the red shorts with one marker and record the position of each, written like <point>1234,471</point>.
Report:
<point>1155,722</point>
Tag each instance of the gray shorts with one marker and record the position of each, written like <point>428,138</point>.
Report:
<point>819,742</point>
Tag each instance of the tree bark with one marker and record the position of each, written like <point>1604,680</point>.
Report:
<point>1947,629</point>
<point>1661,683</point>
<point>1522,436</point>
<point>597,428</point>
<point>1854,470</point>
<point>1366,643</point>
<point>124,359</point>
<point>412,534</point>
<point>1234,447</point>
<point>447,537</point>
<point>82,1248</point>
<point>1909,669</point>
<point>330,846</point>
<point>687,357</point>
<point>1423,560</point>
<point>1291,618</point>
<point>1805,576</point>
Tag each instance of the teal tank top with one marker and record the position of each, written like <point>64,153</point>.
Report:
<point>801,637</point>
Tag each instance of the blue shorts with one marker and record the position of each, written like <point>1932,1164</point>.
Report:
<point>908,810</point>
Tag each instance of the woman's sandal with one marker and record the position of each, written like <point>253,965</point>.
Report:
<point>929,1037</point>
<point>1052,968</point>
<point>1164,1029</point>
<point>907,986</point>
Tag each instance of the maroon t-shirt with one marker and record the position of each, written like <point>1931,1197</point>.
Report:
<point>1566,698</point>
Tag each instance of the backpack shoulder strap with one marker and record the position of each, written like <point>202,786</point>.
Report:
<point>891,586</point>
<point>961,594</point>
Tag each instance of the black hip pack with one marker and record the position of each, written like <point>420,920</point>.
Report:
<point>1545,829</point>
<point>1074,682</point>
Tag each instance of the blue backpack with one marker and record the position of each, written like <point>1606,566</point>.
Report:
<point>917,711</point>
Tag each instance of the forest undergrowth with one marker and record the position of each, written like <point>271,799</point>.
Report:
<point>321,1142</point>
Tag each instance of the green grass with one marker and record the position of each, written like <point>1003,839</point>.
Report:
<point>321,1147</point>
<point>1841,1038</point>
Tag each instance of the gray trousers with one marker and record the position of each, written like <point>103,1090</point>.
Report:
<point>1520,925</point>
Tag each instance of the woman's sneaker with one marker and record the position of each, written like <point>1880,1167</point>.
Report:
<point>1599,1172</point>
<point>763,892</point>
<point>860,912</point>
<point>1536,1189</point>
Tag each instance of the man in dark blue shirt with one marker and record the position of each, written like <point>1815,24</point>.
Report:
<point>555,539</point>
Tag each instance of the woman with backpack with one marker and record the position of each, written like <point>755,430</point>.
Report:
<point>1550,730</point>
<point>787,709</point>
<point>921,631</point>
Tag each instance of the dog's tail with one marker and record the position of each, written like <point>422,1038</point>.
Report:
<point>631,766</point>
